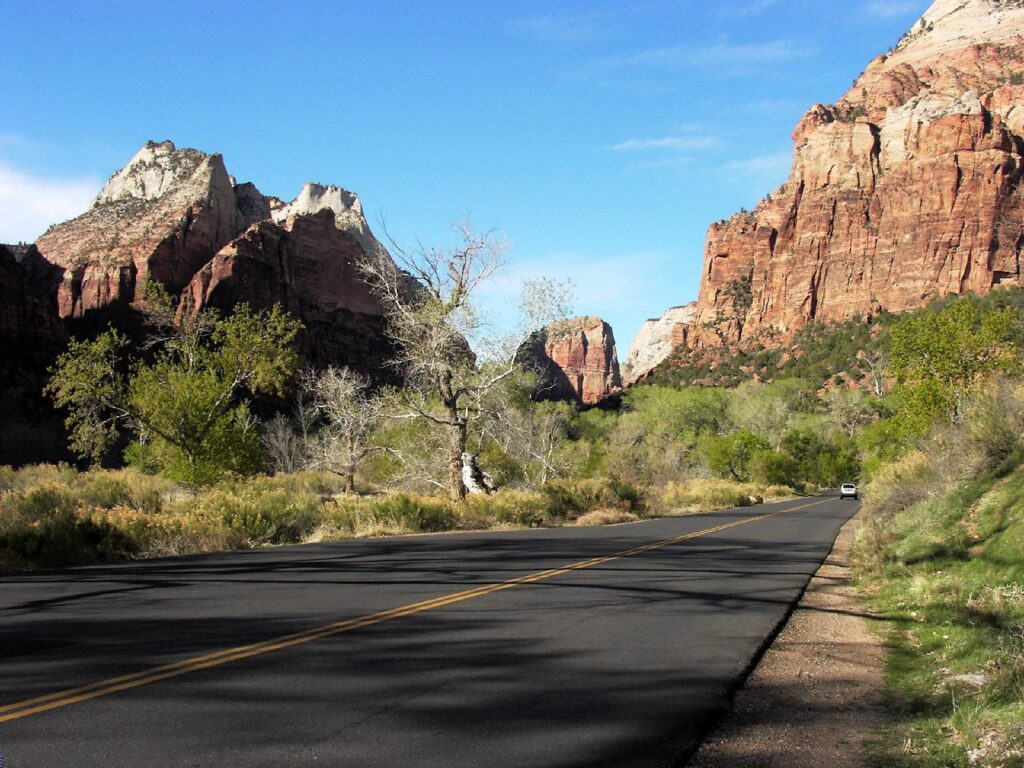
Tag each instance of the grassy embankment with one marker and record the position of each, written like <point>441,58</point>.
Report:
<point>942,563</point>
<point>54,516</point>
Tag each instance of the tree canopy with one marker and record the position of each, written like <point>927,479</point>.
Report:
<point>187,402</point>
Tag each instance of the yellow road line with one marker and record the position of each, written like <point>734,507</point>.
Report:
<point>111,685</point>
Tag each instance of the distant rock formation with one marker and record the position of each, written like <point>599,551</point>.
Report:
<point>655,341</point>
<point>175,216</point>
<point>576,359</point>
<point>907,189</point>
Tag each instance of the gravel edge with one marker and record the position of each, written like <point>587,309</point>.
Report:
<point>815,697</point>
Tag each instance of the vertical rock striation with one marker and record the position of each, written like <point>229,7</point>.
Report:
<point>577,360</point>
<point>906,189</point>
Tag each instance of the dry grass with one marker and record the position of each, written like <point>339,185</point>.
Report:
<point>708,494</point>
<point>55,516</point>
<point>606,516</point>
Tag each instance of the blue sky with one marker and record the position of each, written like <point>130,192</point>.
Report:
<point>602,138</point>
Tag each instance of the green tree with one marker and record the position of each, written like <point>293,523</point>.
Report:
<point>938,357</point>
<point>686,412</point>
<point>729,456</point>
<point>188,404</point>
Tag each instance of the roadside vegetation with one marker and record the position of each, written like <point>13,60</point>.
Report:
<point>941,551</point>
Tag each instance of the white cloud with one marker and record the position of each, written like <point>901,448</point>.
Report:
<point>553,28</point>
<point>890,9</point>
<point>749,8</point>
<point>775,163</point>
<point>761,173</point>
<point>646,70</point>
<point>29,204</point>
<point>719,54</point>
<point>565,27</point>
<point>671,143</point>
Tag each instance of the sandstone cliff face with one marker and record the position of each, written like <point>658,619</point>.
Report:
<point>177,217</point>
<point>161,217</point>
<point>655,341</point>
<point>908,188</point>
<point>307,264</point>
<point>577,360</point>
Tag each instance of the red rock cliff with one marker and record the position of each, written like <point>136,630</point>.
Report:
<point>306,262</point>
<point>177,217</point>
<point>160,217</point>
<point>577,360</point>
<point>908,188</point>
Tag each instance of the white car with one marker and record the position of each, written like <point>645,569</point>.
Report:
<point>848,491</point>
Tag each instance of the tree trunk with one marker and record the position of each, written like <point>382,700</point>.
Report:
<point>350,465</point>
<point>456,447</point>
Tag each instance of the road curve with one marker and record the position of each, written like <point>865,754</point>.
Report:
<point>561,647</point>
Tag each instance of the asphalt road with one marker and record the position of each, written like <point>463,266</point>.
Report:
<point>477,649</point>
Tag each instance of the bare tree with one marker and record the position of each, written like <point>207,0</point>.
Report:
<point>429,298</point>
<point>850,409</point>
<point>349,415</point>
<point>877,362</point>
<point>287,440</point>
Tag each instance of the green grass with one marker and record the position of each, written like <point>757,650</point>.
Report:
<point>946,575</point>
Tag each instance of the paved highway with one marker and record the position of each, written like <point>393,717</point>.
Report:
<point>564,647</point>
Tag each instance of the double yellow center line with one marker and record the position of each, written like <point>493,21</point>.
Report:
<point>35,706</point>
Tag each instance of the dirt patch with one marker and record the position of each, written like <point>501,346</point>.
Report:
<point>816,695</point>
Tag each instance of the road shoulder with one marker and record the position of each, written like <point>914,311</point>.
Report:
<point>816,695</point>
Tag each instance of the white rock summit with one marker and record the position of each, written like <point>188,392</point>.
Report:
<point>655,341</point>
<point>346,206</point>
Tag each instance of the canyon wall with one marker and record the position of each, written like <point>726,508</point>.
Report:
<point>906,189</point>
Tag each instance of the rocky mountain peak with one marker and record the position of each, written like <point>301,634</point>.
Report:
<point>948,23</point>
<point>317,197</point>
<point>159,169</point>
<point>314,198</point>
<point>160,217</point>
<point>955,47</point>
<point>177,217</point>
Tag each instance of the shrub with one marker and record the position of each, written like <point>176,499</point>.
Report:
<point>571,498</point>
<point>60,538</point>
<point>708,494</point>
<point>605,517</point>
<point>507,508</point>
<point>260,512</point>
<point>39,503</point>
<point>995,426</point>
<point>418,513</point>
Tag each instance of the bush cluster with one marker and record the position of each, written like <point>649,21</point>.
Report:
<point>55,516</point>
